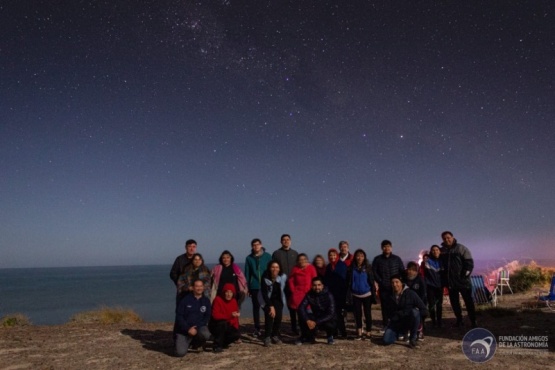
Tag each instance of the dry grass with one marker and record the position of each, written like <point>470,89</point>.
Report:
<point>106,315</point>
<point>15,319</point>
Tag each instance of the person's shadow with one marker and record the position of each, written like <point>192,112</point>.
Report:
<point>153,340</point>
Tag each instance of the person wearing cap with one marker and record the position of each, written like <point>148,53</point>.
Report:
<point>224,323</point>
<point>191,320</point>
<point>407,309</point>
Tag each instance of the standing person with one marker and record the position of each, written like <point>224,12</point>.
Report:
<point>416,283</point>
<point>255,265</point>
<point>360,286</point>
<point>407,309</point>
<point>299,283</point>
<point>224,322</point>
<point>336,282</point>
<point>183,260</point>
<point>228,272</point>
<point>287,258</point>
<point>344,254</point>
<point>321,314</point>
<point>272,299</point>
<point>196,270</point>
<point>319,264</point>
<point>191,320</point>
<point>434,287</point>
<point>384,267</point>
<point>458,264</point>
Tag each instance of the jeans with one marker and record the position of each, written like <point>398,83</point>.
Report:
<point>400,327</point>
<point>182,342</point>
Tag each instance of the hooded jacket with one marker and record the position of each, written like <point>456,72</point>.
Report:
<point>299,283</point>
<point>458,265</point>
<point>266,290</point>
<point>223,309</point>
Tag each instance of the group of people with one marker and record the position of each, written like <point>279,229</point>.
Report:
<point>317,293</point>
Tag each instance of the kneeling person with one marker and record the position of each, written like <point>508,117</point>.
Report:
<point>224,324</point>
<point>320,315</point>
<point>406,312</point>
<point>191,320</point>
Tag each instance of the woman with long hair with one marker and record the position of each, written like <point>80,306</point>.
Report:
<point>228,272</point>
<point>196,270</point>
<point>361,290</point>
<point>272,300</point>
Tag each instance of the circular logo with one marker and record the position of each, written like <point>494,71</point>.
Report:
<point>479,345</point>
<point>203,309</point>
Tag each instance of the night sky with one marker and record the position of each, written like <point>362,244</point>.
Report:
<point>127,127</point>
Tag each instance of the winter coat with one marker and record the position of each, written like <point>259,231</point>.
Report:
<point>401,310</point>
<point>385,267</point>
<point>192,311</point>
<point>189,275</point>
<point>335,280</point>
<point>369,277</point>
<point>266,287</point>
<point>458,265</point>
<point>286,258</point>
<point>299,283</point>
<point>322,306</point>
<point>418,286</point>
<point>255,267</point>
<point>432,273</point>
<point>223,309</point>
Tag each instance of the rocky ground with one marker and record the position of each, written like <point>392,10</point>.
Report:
<point>149,346</point>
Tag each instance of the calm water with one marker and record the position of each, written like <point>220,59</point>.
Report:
<point>50,296</point>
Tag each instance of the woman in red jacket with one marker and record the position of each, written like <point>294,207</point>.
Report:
<point>224,322</point>
<point>299,284</point>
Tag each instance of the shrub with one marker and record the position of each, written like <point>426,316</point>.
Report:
<point>106,315</point>
<point>530,275</point>
<point>15,319</point>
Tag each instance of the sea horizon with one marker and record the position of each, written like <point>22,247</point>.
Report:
<point>52,295</point>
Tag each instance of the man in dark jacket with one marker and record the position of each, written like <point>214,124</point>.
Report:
<point>191,320</point>
<point>458,265</point>
<point>407,309</point>
<point>320,315</point>
<point>183,260</point>
<point>287,258</point>
<point>384,267</point>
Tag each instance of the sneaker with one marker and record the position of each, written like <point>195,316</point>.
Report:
<point>238,341</point>
<point>420,336</point>
<point>412,344</point>
<point>359,337</point>
<point>330,340</point>
<point>217,350</point>
<point>276,340</point>
<point>267,342</point>
<point>401,338</point>
<point>299,342</point>
<point>256,333</point>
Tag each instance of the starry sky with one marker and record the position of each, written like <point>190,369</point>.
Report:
<point>127,127</point>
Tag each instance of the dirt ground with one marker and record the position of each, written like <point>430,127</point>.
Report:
<point>149,346</point>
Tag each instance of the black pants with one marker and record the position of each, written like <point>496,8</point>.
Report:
<point>293,318</point>
<point>385,292</point>
<point>223,333</point>
<point>255,308</point>
<point>272,325</point>
<point>466,294</point>
<point>329,326</point>
<point>435,303</point>
<point>363,305</point>
<point>340,320</point>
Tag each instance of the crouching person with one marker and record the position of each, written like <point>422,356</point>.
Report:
<point>320,315</point>
<point>407,309</point>
<point>191,320</point>
<point>224,324</point>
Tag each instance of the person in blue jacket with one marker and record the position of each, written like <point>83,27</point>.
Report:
<point>191,320</point>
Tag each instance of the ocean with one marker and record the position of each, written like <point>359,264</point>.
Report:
<point>51,296</point>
